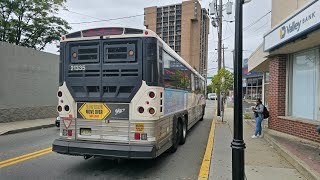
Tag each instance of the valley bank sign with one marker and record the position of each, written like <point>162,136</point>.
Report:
<point>303,22</point>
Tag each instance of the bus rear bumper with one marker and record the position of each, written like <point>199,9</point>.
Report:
<point>126,151</point>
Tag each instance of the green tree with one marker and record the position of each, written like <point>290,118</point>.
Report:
<point>31,23</point>
<point>211,89</point>
<point>218,85</point>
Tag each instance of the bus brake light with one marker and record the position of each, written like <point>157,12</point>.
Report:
<point>137,136</point>
<point>69,132</point>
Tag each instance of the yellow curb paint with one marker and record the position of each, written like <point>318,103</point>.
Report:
<point>25,157</point>
<point>205,166</point>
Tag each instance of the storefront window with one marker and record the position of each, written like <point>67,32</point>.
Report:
<point>304,84</point>
<point>254,88</point>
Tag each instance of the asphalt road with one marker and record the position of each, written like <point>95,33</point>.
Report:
<point>183,164</point>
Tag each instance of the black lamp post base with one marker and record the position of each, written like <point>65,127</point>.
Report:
<point>238,147</point>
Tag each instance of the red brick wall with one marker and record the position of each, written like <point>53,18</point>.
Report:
<point>277,89</point>
<point>277,103</point>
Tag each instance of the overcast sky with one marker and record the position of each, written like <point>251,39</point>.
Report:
<point>107,9</point>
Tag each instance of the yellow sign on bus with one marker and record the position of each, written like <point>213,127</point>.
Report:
<point>139,127</point>
<point>95,111</point>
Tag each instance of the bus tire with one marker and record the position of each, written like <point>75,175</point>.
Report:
<point>202,114</point>
<point>175,137</point>
<point>183,133</point>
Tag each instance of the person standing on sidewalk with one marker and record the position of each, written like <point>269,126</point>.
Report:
<point>258,114</point>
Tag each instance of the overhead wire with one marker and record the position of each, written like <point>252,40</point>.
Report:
<point>250,25</point>
<point>120,18</point>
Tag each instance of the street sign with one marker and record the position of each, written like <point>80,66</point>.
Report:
<point>94,111</point>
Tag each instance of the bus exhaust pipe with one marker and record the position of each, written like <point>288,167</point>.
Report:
<point>86,157</point>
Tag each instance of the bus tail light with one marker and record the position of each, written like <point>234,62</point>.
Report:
<point>141,110</point>
<point>59,108</point>
<point>59,94</point>
<point>152,111</point>
<point>152,94</point>
<point>66,108</point>
<point>137,136</point>
<point>69,132</point>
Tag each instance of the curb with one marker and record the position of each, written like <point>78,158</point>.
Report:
<point>14,131</point>
<point>291,158</point>
<point>204,171</point>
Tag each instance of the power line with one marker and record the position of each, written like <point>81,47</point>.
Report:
<point>105,20</point>
<point>82,14</point>
<point>250,25</point>
<point>120,18</point>
<point>255,22</point>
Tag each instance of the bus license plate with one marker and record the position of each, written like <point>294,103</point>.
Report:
<point>85,131</point>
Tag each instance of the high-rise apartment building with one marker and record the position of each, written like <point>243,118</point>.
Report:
<point>185,28</point>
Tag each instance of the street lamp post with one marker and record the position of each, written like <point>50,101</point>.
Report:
<point>222,97</point>
<point>238,146</point>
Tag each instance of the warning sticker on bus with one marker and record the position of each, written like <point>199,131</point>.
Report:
<point>139,127</point>
<point>94,111</point>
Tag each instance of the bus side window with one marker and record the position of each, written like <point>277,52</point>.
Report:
<point>192,83</point>
<point>160,51</point>
<point>169,73</point>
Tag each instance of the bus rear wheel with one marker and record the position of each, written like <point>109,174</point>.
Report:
<point>202,114</point>
<point>176,138</point>
<point>183,133</point>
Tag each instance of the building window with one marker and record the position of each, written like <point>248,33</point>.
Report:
<point>304,84</point>
<point>254,88</point>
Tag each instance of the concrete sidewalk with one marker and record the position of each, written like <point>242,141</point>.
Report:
<point>262,162</point>
<point>27,125</point>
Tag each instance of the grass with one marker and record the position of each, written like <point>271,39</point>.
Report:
<point>247,116</point>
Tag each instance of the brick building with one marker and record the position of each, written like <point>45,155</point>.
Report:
<point>185,28</point>
<point>290,57</point>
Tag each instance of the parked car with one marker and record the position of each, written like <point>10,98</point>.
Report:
<point>58,121</point>
<point>212,96</point>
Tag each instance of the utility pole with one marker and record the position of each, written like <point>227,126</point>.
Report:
<point>219,50</point>
<point>216,15</point>
<point>223,59</point>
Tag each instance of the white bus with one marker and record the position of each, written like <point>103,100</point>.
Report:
<point>124,93</point>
